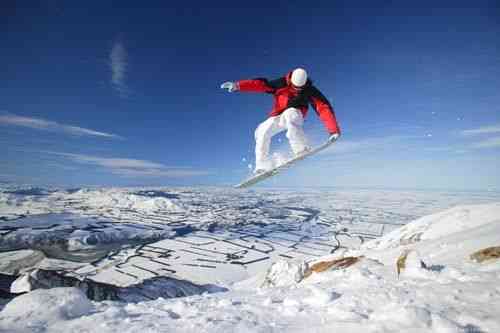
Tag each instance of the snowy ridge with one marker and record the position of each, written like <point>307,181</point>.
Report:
<point>451,293</point>
<point>114,198</point>
<point>454,220</point>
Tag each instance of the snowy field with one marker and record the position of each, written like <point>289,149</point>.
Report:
<point>244,260</point>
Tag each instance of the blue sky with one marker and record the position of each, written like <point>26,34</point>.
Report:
<point>124,94</point>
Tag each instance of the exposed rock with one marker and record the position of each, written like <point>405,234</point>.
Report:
<point>146,290</point>
<point>486,254</point>
<point>401,262</point>
<point>5,283</point>
<point>341,263</point>
<point>5,295</point>
<point>286,273</point>
<point>404,262</point>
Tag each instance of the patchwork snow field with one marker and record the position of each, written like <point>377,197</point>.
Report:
<point>244,259</point>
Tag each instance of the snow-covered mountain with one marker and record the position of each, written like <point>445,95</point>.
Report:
<point>426,275</point>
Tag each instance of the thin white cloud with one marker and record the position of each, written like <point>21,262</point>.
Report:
<point>133,168</point>
<point>48,125</point>
<point>169,173</point>
<point>482,130</point>
<point>118,65</point>
<point>61,166</point>
<point>371,145</point>
<point>489,143</point>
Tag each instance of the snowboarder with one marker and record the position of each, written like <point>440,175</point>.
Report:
<point>292,94</point>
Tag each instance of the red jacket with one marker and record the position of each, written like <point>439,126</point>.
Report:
<point>287,96</point>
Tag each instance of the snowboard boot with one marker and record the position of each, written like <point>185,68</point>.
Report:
<point>303,151</point>
<point>259,171</point>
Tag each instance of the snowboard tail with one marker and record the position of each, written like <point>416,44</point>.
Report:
<point>265,175</point>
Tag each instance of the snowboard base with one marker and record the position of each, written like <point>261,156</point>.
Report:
<point>269,173</point>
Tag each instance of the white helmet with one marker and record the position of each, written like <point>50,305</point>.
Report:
<point>299,77</point>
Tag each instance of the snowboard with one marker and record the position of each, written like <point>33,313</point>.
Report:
<point>276,170</point>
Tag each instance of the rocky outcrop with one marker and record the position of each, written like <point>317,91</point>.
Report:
<point>286,273</point>
<point>5,283</point>
<point>486,254</point>
<point>146,290</point>
<point>15,262</point>
<point>322,266</point>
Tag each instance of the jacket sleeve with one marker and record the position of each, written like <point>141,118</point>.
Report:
<point>261,85</point>
<point>324,110</point>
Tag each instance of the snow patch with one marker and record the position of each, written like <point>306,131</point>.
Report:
<point>320,297</point>
<point>21,285</point>
<point>40,308</point>
<point>285,273</point>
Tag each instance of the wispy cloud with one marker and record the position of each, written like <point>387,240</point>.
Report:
<point>48,125</point>
<point>372,145</point>
<point>489,143</point>
<point>118,65</point>
<point>482,130</point>
<point>133,168</point>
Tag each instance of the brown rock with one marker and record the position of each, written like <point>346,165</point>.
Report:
<point>322,266</point>
<point>489,253</point>
<point>401,262</point>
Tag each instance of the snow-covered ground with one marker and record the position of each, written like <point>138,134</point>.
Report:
<point>451,293</point>
<point>232,238</point>
<point>87,217</point>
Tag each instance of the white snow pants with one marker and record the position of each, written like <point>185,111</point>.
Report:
<point>290,120</point>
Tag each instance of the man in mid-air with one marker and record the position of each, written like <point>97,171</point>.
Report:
<point>292,94</point>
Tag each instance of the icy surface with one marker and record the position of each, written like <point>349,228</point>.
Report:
<point>450,294</point>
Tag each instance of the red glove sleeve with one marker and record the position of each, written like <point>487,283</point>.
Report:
<point>326,114</point>
<point>255,85</point>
